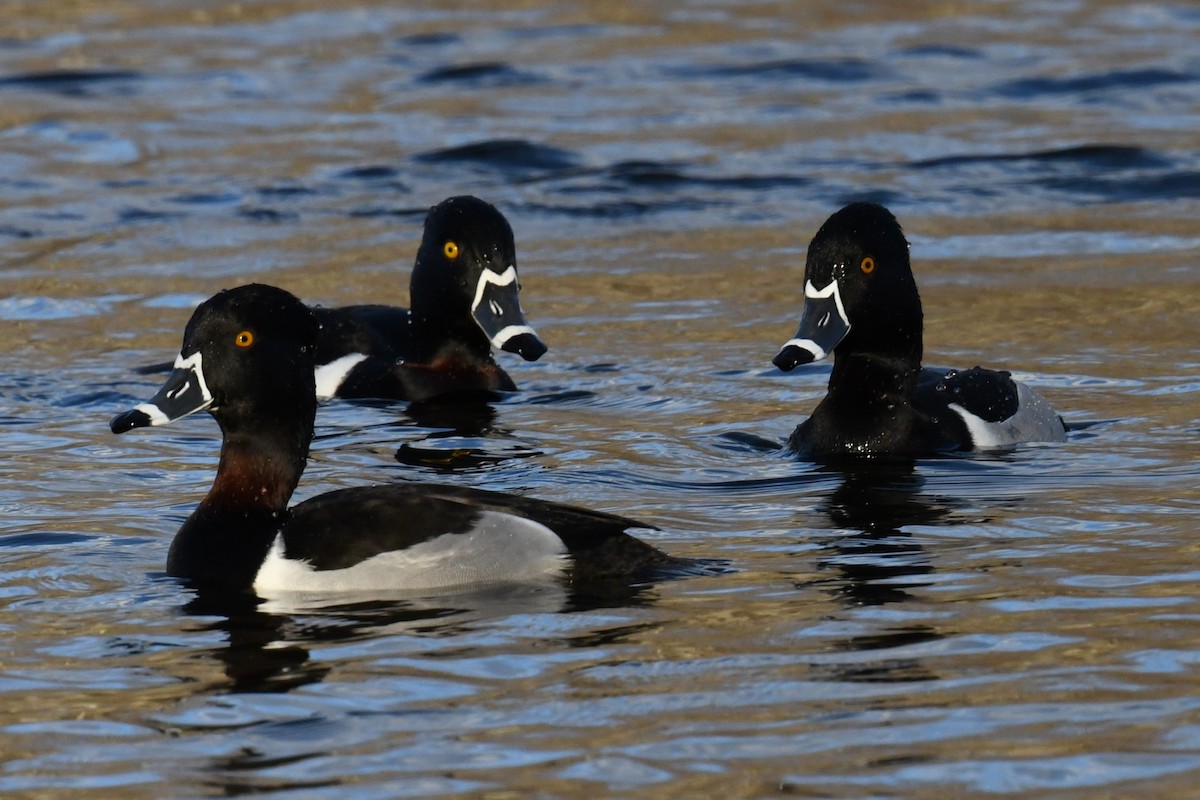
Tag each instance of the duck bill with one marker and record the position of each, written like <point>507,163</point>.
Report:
<point>185,392</point>
<point>822,325</point>
<point>497,310</point>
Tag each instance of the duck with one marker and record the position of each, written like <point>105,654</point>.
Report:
<point>464,293</point>
<point>248,359</point>
<point>861,306</point>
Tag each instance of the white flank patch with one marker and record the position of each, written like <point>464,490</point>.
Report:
<point>330,376</point>
<point>983,433</point>
<point>1035,421</point>
<point>501,548</point>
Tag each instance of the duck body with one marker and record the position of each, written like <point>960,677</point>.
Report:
<point>862,306</point>
<point>465,300</point>
<point>247,359</point>
<point>406,536</point>
<point>365,352</point>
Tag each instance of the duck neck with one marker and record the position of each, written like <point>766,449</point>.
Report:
<point>256,473</point>
<point>441,335</point>
<point>877,364</point>
<point>434,343</point>
<point>441,320</point>
<point>229,534</point>
<point>872,380</point>
<point>868,407</point>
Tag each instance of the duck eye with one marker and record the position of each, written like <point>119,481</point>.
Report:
<point>450,249</point>
<point>867,265</point>
<point>244,339</point>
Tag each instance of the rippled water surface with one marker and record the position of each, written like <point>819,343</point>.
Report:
<point>1022,623</point>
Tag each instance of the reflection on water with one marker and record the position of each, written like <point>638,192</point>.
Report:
<point>1020,623</point>
<point>876,562</point>
<point>266,644</point>
<point>462,436</point>
<point>877,502</point>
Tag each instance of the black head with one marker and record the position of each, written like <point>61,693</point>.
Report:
<point>465,279</point>
<point>859,292</point>
<point>246,357</point>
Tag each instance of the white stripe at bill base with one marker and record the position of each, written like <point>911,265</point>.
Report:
<point>510,331</point>
<point>156,415</point>
<point>817,351</point>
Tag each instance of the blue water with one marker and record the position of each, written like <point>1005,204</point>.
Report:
<point>1020,623</point>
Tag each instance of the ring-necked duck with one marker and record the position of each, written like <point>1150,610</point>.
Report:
<point>861,305</point>
<point>464,294</point>
<point>247,357</point>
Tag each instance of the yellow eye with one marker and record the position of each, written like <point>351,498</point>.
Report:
<point>867,265</point>
<point>450,249</point>
<point>244,339</point>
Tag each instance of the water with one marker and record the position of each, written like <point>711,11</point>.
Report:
<point>1021,624</point>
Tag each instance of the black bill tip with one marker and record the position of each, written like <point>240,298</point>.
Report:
<point>527,346</point>
<point>129,420</point>
<point>791,357</point>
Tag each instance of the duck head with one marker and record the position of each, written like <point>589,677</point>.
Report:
<point>467,268</point>
<point>859,292</point>
<point>246,358</point>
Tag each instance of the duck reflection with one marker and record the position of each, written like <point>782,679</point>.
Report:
<point>876,562</point>
<point>463,416</point>
<point>462,436</point>
<point>269,641</point>
<point>255,658</point>
<point>269,645</point>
